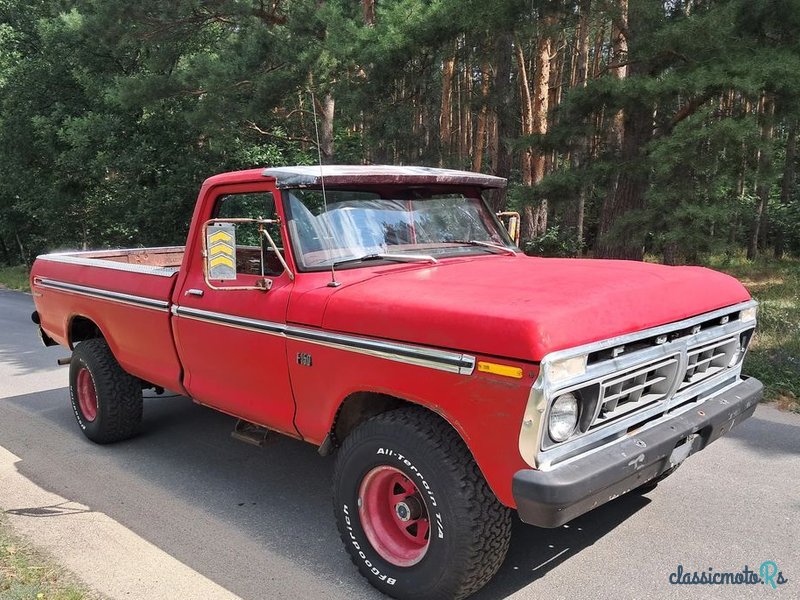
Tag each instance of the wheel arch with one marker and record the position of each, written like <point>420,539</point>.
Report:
<point>358,407</point>
<point>81,328</point>
<point>478,437</point>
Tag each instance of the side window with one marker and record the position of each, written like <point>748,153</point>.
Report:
<point>251,246</point>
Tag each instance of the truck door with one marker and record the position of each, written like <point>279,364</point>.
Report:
<point>229,331</point>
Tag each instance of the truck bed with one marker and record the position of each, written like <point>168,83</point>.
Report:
<point>166,259</point>
<point>126,293</point>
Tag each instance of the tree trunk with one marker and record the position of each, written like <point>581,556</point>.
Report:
<point>764,176</point>
<point>481,130</point>
<point>630,132</point>
<point>465,114</point>
<point>598,50</point>
<point>581,79</point>
<point>446,114</point>
<point>619,40</point>
<point>534,122</point>
<point>327,110</point>
<point>22,254</point>
<point>368,9</point>
<point>5,256</point>
<point>787,183</point>
<point>526,109</point>
<point>505,118</point>
<point>541,105</point>
<point>741,188</point>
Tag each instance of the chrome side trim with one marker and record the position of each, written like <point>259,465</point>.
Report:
<point>216,318</point>
<point>451,362</point>
<point>90,259</point>
<point>442,360</point>
<point>140,301</point>
<point>542,391</point>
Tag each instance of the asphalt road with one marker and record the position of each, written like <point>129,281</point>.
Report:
<point>259,521</point>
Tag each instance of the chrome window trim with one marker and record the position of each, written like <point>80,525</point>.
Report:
<point>442,360</point>
<point>535,416</point>
<point>119,297</point>
<point>89,259</point>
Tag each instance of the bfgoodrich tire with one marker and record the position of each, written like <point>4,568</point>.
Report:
<point>414,511</point>
<point>106,400</point>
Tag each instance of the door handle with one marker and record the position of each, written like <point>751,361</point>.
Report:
<point>194,292</point>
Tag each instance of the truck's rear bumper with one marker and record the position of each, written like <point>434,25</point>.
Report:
<point>551,498</point>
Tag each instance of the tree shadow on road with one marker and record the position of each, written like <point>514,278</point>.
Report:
<point>21,348</point>
<point>534,552</point>
<point>768,437</point>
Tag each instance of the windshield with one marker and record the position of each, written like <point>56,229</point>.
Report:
<point>358,223</point>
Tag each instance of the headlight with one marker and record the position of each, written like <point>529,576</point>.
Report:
<point>563,417</point>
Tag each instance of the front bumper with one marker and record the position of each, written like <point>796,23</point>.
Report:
<point>551,498</point>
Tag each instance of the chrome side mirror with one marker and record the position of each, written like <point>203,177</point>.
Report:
<point>511,221</point>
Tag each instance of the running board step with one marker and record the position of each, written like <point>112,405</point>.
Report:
<point>250,433</point>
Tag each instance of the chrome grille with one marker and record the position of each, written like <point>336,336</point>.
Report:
<point>708,359</point>
<point>621,388</point>
<point>623,393</point>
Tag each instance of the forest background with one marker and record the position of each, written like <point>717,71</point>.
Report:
<point>636,129</point>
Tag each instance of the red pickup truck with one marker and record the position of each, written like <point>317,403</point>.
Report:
<point>384,314</point>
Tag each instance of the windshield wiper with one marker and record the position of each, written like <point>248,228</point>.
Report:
<point>395,257</point>
<point>488,245</point>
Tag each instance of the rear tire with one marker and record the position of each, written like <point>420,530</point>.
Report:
<point>412,455</point>
<point>106,400</point>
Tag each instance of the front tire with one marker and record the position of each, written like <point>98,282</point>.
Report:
<point>414,511</point>
<point>106,400</point>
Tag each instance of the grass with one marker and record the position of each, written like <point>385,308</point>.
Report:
<point>26,575</point>
<point>774,355</point>
<point>15,278</point>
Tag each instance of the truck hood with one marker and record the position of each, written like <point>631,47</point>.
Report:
<point>524,307</point>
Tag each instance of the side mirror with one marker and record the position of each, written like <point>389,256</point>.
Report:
<point>220,253</point>
<point>511,221</point>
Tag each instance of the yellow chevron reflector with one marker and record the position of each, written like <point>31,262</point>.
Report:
<point>503,370</point>
<point>220,236</point>
<point>221,260</point>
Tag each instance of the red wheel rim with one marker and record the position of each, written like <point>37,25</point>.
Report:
<point>394,516</point>
<point>87,395</point>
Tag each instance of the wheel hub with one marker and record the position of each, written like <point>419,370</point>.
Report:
<point>87,394</point>
<point>408,510</point>
<point>394,516</point>
<point>403,512</point>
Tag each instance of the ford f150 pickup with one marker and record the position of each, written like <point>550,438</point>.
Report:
<point>384,314</point>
